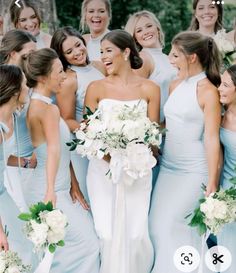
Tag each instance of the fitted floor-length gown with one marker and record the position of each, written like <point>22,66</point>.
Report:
<point>227,237</point>
<point>120,212</point>
<point>8,209</point>
<point>81,251</point>
<point>85,75</point>
<point>182,172</point>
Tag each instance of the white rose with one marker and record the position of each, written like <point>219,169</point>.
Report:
<point>95,126</point>
<point>56,219</point>
<point>55,237</point>
<point>39,234</point>
<point>80,135</point>
<point>2,265</point>
<point>13,269</point>
<point>220,209</point>
<point>208,207</point>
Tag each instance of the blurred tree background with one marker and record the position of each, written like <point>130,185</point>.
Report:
<point>174,15</point>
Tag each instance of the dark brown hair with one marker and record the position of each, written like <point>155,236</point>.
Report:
<point>14,40</point>
<point>38,63</point>
<point>122,39</point>
<point>11,80</point>
<point>194,25</point>
<point>58,39</point>
<point>190,42</point>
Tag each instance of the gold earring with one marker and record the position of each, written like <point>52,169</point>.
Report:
<point>126,58</point>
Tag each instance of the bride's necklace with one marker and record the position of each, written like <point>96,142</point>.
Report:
<point>43,98</point>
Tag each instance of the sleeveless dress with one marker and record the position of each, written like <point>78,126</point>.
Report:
<point>39,41</point>
<point>227,237</point>
<point>94,47</point>
<point>162,75</point>
<point>8,209</point>
<point>182,172</point>
<point>85,75</point>
<point>81,251</point>
<point>24,148</point>
<point>120,213</point>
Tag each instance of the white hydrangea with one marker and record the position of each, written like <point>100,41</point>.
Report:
<point>38,235</point>
<point>2,265</point>
<point>13,269</point>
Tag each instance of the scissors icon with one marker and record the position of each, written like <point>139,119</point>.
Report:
<point>217,258</point>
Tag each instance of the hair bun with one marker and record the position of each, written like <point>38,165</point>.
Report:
<point>136,61</point>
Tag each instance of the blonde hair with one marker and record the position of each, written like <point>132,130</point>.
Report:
<point>85,3</point>
<point>133,19</point>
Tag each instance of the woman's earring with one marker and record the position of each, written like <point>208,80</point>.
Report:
<point>126,58</point>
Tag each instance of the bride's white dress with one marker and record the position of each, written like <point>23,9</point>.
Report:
<point>120,212</point>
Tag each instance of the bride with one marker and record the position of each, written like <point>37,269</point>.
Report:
<point>121,217</point>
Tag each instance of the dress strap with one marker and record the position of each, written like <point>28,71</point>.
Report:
<point>37,96</point>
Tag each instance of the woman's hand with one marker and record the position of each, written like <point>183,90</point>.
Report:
<point>211,188</point>
<point>3,241</point>
<point>50,196</point>
<point>77,195</point>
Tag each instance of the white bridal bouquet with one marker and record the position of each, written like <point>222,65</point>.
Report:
<point>215,211</point>
<point>126,134</point>
<point>226,48</point>
<point>11,263</point>
<point>45,226</point>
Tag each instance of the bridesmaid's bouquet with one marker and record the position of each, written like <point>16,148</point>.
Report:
<point>215,211</point>
<point>45,226</point>
<point>126,134</point>
<point>11,263</point>
<point>226,48</point>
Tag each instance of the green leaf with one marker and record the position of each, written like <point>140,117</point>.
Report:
<point>202,228</point>
<point>49,206</point>
<point>25,216</point>
<point>61,243</point>
<point>52,248</point>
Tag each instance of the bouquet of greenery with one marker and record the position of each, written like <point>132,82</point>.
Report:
<point>11,263</point>
<point>215,211</point>
<point>45,226</point>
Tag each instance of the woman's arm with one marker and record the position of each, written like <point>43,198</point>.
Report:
<point>66,101</point>
<point>50,123</point>
<point>153,91</point>
<point>75,191</point>
<point>212,117</point>
<point>3,239</point>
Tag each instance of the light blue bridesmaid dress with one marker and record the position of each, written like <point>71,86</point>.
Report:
<point>8,210</point>
<point>183,170</point>
<point>162,75</point>
<point>227,237</point>
<point>84,75</point>
<point>81,251</point>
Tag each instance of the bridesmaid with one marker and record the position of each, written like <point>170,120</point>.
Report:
<point>13,94</point>
<point>71,48</point>
<point>147,32</point>
<point>15,44</point>
<point>95,16</point>
<point>53,174</point>
<point>192,146</point>
<point>27,17</point>
<point>227,91</point>
<point>207,17</point>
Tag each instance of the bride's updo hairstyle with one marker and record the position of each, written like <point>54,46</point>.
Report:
<point>38,63</point>
<point>123,40</point>
<point>11,80</point>
<point>192,42</point>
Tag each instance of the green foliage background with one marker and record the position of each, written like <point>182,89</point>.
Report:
<point>174,15</point>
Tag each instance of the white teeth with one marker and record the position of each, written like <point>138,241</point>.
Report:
<point>148,37</point>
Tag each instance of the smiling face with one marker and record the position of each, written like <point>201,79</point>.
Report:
<point>55,79</point>
<point>179,61</point>
<point>97,17</point>
<point>206,13</point>
<point>112,57</point>
<point>227,90</point>
<point>74,51</point>
<point>146,33</point>
<point>28,21</point>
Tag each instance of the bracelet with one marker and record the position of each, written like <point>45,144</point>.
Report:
<point>26,163</point>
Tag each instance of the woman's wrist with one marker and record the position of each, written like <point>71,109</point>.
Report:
<point>25,162</point>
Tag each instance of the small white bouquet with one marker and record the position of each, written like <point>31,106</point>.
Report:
<point>45,226</point>
<point>215,211</point>
<point>11,263</point>
<point>226,48</point>
<point>126,134</point>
